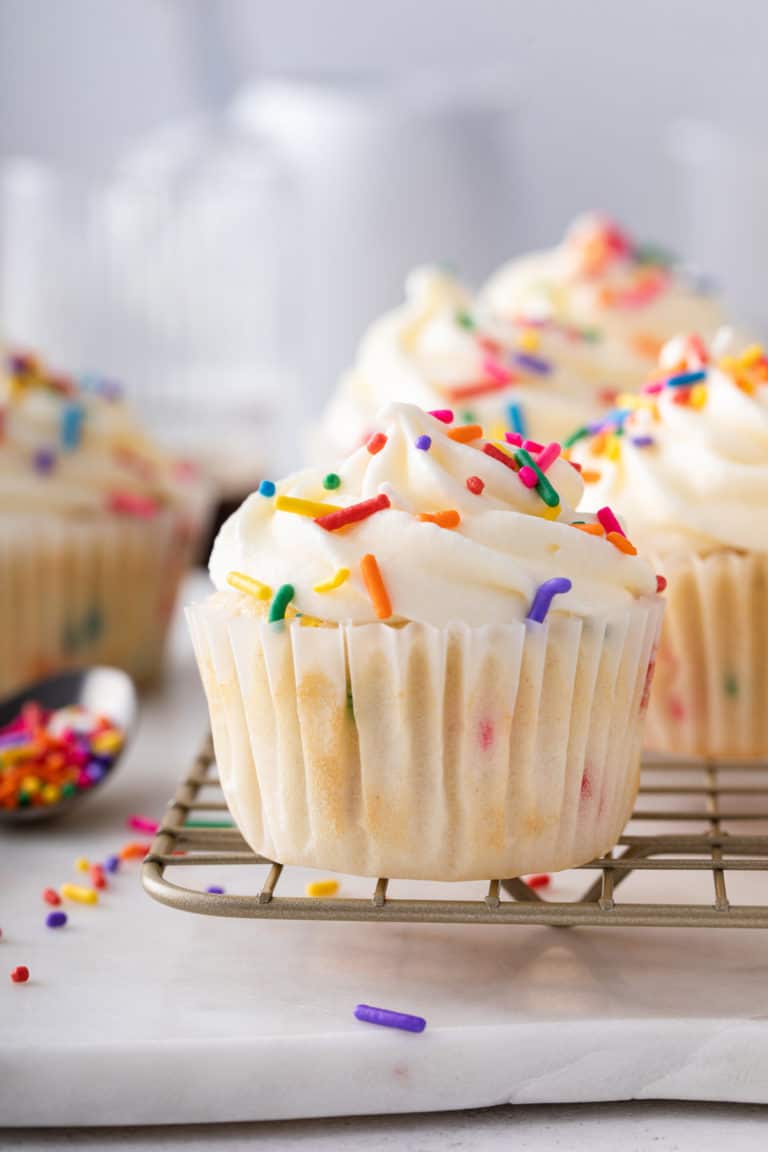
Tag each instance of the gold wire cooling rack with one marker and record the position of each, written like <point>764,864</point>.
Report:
<point>697,820</point>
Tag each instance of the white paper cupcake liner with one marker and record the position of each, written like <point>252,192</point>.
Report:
<point>453,753</point>
<point>87,591</point>
<point>710,694</point>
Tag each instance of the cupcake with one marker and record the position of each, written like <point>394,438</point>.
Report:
<point>96,525</point>
<point>629,298</point>
<point>687,463</point>
<point>424,663</point>
<point>442,347</point>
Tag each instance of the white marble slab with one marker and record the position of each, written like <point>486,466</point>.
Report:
<point>137,1014</point>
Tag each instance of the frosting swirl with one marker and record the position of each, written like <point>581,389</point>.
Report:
<point>629,294</point>
<point>687,461</point>
<point>442,347</point>
<point>77,449</point>
<point>460,535</point>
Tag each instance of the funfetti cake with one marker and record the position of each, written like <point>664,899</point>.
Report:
<point>423,662</point>
<point>96,527</point>
<point>687,463</point>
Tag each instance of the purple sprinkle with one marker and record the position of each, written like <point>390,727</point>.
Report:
<point>545,593</point>
<point>56,919</point>
<point>95,771</point>
<point>642,441</point>
<point>532,363</point>
<point>112,863</point>
<point>424,443</point>
<point>215,889</point>
<point>389,1019</point>
<point>44,461</point>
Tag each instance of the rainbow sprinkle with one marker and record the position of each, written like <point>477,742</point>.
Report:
<point>335,582</point>
<point>424,443</point>
<point>515,419</point>
<point>267,488</point>
<point>353,513</point>
<point>331,481</point>
<point>250,585</point>
<point>545,593</point>
<point>282,599</point>
<point>300,507</point>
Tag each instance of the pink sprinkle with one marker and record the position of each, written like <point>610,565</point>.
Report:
<point>586,787</point>
<point>533,446</point>
<point>528,476</point>
<point>654,388</point>
<point>142,824</point>
<point>548,455</point>
<point>444,414</point>
<point>485,734</point>
<point>496,371</point>
<point>514,438</point>
<point>129,504</point>
<point>609,521</point>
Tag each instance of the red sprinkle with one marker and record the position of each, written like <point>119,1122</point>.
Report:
<point>51,896</point>
<point>20,975</point>
<point>661,583</point>
<point>465,391</point>
<point>129,504</point>
<point>98,879</point>
<point>376,443</point>
<point>475,484</point>
<point>353,514</point>
<point>497,454</point>
<point>542,881</point>
<point>609,521</point>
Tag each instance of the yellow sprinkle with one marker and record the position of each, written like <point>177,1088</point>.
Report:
<point>322,888</point>
<point>547,513</point>
<point>79,895</point>
<point>335,582</point>
<point>107,743</point>
<point>30,785</point>
<point>751,355</point>
<point>301,507</point>
<point>698,396</point>
<point>248,584</point>
<point>50,794</point>
<point>613,448</point>
<point>529,340</point>
<point>496,432</point>
<point>81,864</point>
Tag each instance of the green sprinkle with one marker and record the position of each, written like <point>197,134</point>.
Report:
<point>331,481</point>
<point>464,320</point>
<point>282,599</point>
<point>574,437</point>
<point>653,254</point>
<point>68,789</point>
<point>591,335</point>
<point>468,417</point>
<point>208,824</point>
<point>731,685</point>
<point>544,488</point>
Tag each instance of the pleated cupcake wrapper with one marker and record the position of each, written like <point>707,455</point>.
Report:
<point>87,591</point>
<point>439,753</point>
<point>710,694</point>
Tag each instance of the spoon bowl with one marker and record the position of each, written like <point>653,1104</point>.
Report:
<point>101,690</point>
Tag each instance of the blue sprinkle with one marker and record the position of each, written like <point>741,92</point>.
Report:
<point>112,863</point>
<point>71,429</point>
<point>515,418</point>
<point>685,378</point>
<point>424,443</point>
<point>56,919</point>
<point>545,593</point>
<point>215,889</point>
<point>266,488</point>
<point>389,1019</point>
<point>532,363</point>
<point>642,441</point>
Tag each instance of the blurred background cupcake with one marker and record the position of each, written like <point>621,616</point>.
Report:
<point>687,463</point>
<point>97,525</point>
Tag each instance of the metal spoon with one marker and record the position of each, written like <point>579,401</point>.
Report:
<point>105,691</point>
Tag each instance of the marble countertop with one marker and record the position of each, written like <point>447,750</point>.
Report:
<point>139,1015</point>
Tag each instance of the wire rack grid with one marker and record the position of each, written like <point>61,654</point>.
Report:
<point>692,816</point>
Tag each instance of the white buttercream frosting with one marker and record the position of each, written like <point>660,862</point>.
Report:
<point>484,570</point>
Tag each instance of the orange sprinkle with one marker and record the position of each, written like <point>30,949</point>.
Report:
<point>375,587</point>
<point>598,444</point>
<point>134,851</point>
<point>592,529</point>
<point>622,543</point>
<point>646,344</point>
<point>447,519</point>
<point>590,475</point>
<point>465,432</point>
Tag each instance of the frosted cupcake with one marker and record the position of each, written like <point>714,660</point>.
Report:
<point>424,663</point>
<point>687,463</point>
<point>629,298</point>
<point>96,526</point>
<point>442,348</point>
